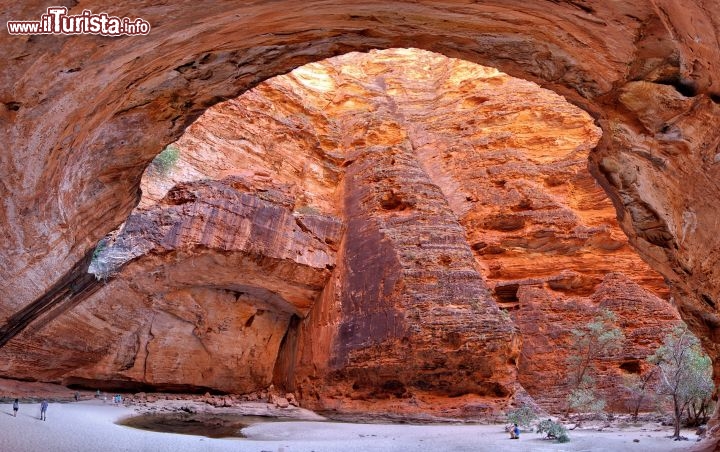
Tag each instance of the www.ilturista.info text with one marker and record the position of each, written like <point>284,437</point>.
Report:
<point>57,21</point>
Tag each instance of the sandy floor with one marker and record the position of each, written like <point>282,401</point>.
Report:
<point>89,426</point>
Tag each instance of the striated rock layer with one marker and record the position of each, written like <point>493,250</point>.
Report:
<point>351,232</point>
<point>220,275</point>
<point>83,115</point>
<point>416,316</point>
<point>546,320</point>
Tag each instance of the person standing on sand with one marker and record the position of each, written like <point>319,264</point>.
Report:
<point>16,407</point>
<point>43,410</point>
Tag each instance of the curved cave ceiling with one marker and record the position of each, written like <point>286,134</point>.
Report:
<point>83,116</point>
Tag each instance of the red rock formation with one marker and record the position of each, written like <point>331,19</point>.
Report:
<point>217,273</point>
<point>547,318</point>
<point>368,144</point>
<point>83,115</point>
<point>416,316</point>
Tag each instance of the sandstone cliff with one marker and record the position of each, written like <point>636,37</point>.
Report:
<point>350,231</point>
<point>83,116</point>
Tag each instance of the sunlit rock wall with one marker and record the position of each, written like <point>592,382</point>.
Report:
<point>354,231</point>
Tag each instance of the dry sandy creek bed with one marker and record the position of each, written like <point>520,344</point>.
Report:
<point>91,425</point>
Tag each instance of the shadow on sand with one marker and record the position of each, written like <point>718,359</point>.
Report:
<point>203,424</point>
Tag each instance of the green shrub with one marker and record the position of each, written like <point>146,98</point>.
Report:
<point>523,416</point>
<point>553,430</point>
<point>600,338</point>
<point>165,160</point>
<point>102,244</point>
<point>98,264</point>
<point>585,399</point>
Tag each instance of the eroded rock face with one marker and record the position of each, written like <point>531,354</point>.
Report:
<point>83,115</point>
<point>350,231</point>
<point>416,316</point>
<point>546,320</point>
<point>216,275</point>
<point>676,234</point>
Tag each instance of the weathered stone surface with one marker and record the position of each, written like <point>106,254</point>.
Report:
<point>83,115</point>
<point>672,220</point>
<point>416,316</point>
<point>546,319</point>
<point>92,153</point>
<point>216,275</point>
<point>382,186</point>
<point>515,175</point>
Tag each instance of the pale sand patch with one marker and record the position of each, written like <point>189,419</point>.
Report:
<point>89,426</point>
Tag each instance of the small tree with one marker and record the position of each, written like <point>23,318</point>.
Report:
<point>522,416</point>
<point>684,372</point>
<point>639,388</point>
<point>599,338</point>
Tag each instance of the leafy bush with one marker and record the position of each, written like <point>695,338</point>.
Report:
<point>165,160</point>
<point>523,416</point>
<point>102,244</point>
<point>98,264</point>
<point>553,430</point>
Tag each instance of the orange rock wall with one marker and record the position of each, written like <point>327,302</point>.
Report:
<point>84,115</point>
<point>546,320</point>
<point>348,233</point>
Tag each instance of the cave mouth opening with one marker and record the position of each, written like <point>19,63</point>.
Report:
<point>263,184</point>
